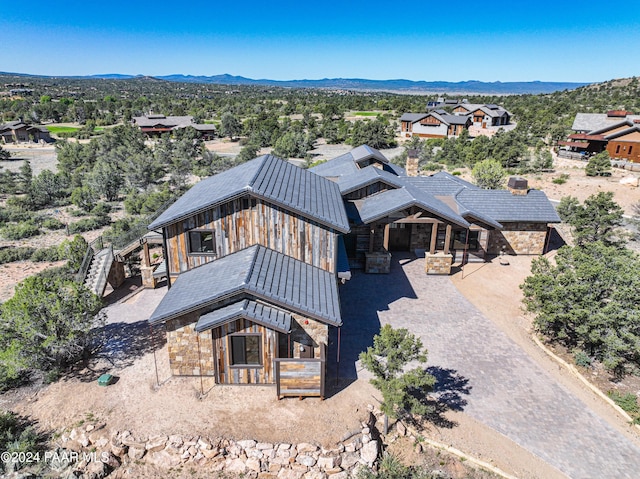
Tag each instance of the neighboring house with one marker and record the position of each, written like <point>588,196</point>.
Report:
<point>252,264</point>
<point>484,116</point>
<point>435,124</point>
<point>617,131</point>
<point>254,256</point>
<point>156,125</point>
<point>21,132</point>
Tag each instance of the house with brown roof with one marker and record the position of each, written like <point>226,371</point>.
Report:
<point>156,125</point>
<point>22,132</point>
<point>435,124</point>
<point>617,132</point>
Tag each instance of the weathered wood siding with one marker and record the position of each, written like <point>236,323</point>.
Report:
<point>228,374</point>
<point>245,222</point>
<point>300,377</point>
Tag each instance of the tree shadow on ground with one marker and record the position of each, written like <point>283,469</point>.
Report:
<point>118,345</point>
<point>447,395</point>
<point>361,298</point>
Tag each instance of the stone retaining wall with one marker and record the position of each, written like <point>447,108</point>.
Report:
<point>249,458</point>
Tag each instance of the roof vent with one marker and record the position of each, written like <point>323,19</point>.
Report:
<point>518,185</point>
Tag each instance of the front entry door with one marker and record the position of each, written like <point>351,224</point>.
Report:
<point>399,236</point>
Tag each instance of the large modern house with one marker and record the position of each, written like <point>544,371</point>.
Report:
<point>437,123</point>
<point>21,132</point>
<point>156,125</point>
<point>254,256</point>
<point>616,131</point>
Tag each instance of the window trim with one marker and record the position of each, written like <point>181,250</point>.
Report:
<point>245,366</point>
<point>201,253</point>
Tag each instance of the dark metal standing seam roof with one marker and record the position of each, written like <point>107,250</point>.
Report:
<point>501,205</point>
<point>348,163</point>
<point>365,177</point>
<point>269,178</point>
<point>268,275</point>
<point>257,312</point>
<point>383,204</point>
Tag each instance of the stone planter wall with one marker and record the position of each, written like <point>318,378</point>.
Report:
<point>246,458</point>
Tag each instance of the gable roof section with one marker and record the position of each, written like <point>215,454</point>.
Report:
<point>623,133</point>
<point>348,163</point>
<point>412,117</point>
<point>269,178</point>
<point>258,271</point>
<point>440,184</point>
<point>502,206</point>
<point>596,121</point>
<point>383,204</point>
<point>366,177</point>
<point>248,309</point>
<point>168,121</point>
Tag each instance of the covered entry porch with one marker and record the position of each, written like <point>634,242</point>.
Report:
<point>391,221</point>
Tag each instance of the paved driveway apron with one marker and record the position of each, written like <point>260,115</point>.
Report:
<point>499,384</point>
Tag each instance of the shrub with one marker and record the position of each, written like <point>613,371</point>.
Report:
<point>628,402</point>
<point>89,224</point>
<point>560,180</point>
<point>432,166</point>
<point>17,435</point>
<point>73,251</point>
<point>456,173</point>
<point>581,358</point>
<point>101,209</point>
<point>52,253</point>
<point>14,215</point>
<point>9,255</point>
<point>52,224</point>
<point>16,231</point>
<point>599,165</point>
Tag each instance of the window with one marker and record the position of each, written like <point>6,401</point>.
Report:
<point>630,148</point>
<point>459,237</point>
<point>245,350</point>
<point>201,242</point>
<point>617,149</point>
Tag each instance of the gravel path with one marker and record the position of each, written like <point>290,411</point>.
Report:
<point>485,373</point>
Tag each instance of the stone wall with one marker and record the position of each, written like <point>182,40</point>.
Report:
<point>438,263</point>
<point>378,262</point>
<point>182,344</point>
<point>308,332</point>
<point>218,456</point>
<point>421,236</point>
<point>518,238</point>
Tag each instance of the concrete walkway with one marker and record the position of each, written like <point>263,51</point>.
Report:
<point>483,372</point>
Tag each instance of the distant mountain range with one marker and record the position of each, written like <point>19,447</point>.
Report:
<point>406,86</point>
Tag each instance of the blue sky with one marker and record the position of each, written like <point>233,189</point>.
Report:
<point>417,40</point>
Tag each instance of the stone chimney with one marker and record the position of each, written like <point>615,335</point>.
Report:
<point>518,186</point>
<point>412,163</point>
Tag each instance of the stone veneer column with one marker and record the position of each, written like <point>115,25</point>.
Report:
<point>438,263</point>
